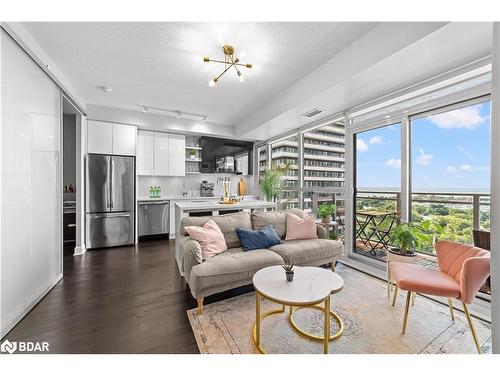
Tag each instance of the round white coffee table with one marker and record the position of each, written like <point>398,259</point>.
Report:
<point>310,287</point>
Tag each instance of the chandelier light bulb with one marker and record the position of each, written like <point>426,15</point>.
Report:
<point>212,83</point>
<point>240,76</point>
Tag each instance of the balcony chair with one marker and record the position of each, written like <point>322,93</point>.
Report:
<point>482,240</point>
<point>463,269</point>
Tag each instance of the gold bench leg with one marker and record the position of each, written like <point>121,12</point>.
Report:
<point>472,329</point>
<point>407,308</point>
<point>450,305</point>
<point>396,288</point>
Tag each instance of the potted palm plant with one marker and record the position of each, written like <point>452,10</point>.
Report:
<point>409,236</point>
<point>325,212</point>
<point>272,183</point>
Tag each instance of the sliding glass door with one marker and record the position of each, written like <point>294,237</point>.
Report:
<point>377,192</point>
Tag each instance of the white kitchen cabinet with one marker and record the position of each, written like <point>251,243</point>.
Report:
<point>145,153</point>
<point>110,138</point>
<point>161,154</point>
<point>99,137</point>
<point>124,139</point>
<point>176,155</point>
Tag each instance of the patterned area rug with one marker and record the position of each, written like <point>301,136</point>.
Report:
<point>372,325</point>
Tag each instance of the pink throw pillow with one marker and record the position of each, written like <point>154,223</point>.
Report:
<point>300,229</point>
<point>210,237</point>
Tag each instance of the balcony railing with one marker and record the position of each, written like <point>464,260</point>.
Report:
<point>458,212</point>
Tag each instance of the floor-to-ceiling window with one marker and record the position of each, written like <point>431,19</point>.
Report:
<point>377,195</point>
<point>284,152</point>
<point>450,169</point>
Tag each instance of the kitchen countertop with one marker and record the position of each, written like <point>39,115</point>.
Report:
<point>216,206</point>
<point>181,198</point>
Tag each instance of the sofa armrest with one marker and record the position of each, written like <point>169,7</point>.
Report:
<point>321,231</point>
<point>190,251</point>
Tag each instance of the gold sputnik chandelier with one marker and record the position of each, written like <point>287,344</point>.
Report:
<point>229,61</point>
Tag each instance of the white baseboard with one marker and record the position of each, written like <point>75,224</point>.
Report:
<point>28,308</point>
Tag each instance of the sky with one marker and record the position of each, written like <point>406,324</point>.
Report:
<point>449,151</point>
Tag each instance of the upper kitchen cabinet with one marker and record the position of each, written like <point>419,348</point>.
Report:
<point>160,154</point>
<point>124,139</point>
<point>110,138</point>
<point>99,137</point>
<point>145,153</point>
<point>176,155</point>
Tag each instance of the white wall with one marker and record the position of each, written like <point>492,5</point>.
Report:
<point>31,184</point>
<point>495,193</point>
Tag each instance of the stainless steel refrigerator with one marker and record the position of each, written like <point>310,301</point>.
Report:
<point>110,182</point>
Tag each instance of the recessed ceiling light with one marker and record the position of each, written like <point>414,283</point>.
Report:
<point>106,89</point>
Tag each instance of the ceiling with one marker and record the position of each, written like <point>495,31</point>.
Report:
<point>160,64</point>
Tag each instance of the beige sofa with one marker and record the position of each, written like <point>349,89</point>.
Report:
<point>235,267</point>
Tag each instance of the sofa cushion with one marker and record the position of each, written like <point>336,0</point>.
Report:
<point>276,218</point>
<point>300,229</point>
<point>229,267</point>
<point>259,238</point>
<point>307,251</point>
<point>227,224</point>
<point>210,238</point>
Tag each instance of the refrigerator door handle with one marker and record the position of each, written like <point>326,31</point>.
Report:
<point>105,215</point>
<point>111,173</point>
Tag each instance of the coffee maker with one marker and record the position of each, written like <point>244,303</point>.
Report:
<point>207,189</point>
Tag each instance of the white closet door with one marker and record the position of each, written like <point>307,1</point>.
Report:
<point>31,184</point>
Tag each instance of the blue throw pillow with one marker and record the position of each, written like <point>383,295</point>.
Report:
<point>258,239</point>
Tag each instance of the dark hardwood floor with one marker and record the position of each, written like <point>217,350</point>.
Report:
<point>119,300</point>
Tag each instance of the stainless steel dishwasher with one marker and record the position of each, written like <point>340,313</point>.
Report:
<point>153,218</point>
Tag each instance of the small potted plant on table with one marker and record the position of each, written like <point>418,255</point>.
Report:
<point>325,212</point>
<point>288,271</point>
<point>192,154</point>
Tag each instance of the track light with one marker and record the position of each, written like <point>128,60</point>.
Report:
<point>174,112</point>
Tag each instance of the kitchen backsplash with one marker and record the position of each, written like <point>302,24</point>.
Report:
<point>173,186</point>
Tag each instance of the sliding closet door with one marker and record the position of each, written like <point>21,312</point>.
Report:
<point>30,222</point>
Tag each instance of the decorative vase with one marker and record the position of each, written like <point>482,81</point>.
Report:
<point>289,276</point>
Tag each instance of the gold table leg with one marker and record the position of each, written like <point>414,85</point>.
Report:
<point>257,319</point>
<point>326,334</point>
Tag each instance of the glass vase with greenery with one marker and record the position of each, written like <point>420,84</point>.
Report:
<point>272,182</point>
<point>409,236</point>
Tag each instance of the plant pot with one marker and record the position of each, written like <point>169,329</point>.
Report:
<point>192,157</point>
<point>397,251</point>
<point>326,220</point>
<point>289,276</point>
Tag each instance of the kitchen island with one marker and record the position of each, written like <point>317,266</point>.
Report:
<point>184,208</point>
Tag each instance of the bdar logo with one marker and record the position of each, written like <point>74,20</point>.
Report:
<point>9,347</point>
